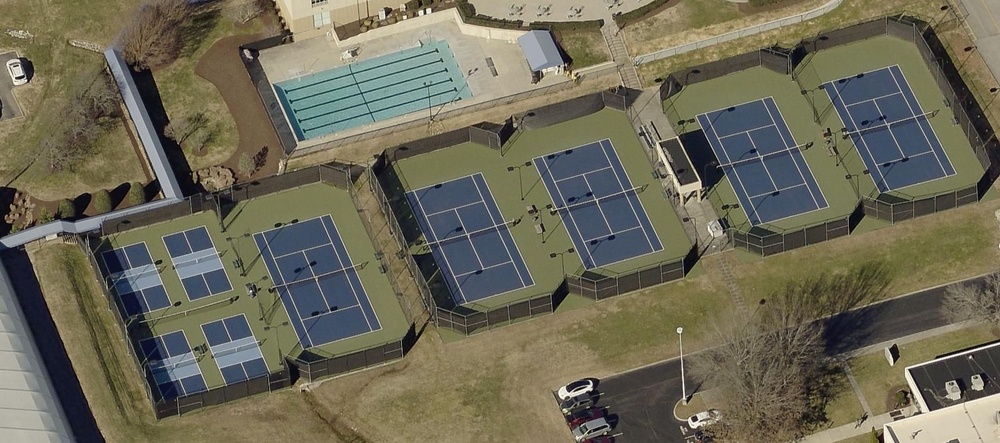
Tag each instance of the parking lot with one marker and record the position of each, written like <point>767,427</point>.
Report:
<point>644,400</point>
<point>9,108</point>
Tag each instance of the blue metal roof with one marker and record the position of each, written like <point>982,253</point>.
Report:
<point>540,49</point>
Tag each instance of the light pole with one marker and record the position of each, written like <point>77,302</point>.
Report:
<point>520,182</point>
<point>430,109</point>
<point>680,341</point>
<point>561,259</point>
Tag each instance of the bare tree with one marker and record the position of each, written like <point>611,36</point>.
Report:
<point>977,301</point>
<point>242,11</point>
<point>774,369</point>
<point>154,34</point>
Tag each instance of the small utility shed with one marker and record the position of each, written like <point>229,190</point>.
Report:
<point>541,52</point>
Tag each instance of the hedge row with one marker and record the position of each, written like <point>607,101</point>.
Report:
<point>764,2</point>
<point>569,26</point>
<point>468,13</point>
<point>636,15</point>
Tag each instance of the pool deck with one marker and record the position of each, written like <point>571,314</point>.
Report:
<point>322,53</point>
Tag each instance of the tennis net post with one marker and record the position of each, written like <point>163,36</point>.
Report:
<point>890,125</point>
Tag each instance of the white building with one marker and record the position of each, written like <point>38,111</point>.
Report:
<point>29,408</point>
<point>974,421</point>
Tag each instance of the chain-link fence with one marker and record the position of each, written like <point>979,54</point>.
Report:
<point>313,364</point>
<point>442,115</point>
<point>597,286</point>
<point>767,240</point>
<point>167,407</point>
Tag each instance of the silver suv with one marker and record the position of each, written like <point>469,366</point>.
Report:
<point>594,428</point>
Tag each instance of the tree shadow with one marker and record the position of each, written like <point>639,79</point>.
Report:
<point>201,23</point>
<point>834,299</point>
<point>118,194</point>
<point>80,203</point>
<point>146,85</point>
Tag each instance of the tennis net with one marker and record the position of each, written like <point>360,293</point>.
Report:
<point>126,280</point>
<point>890,125</point>
<point>469,234</point>
<point>234,349</point>
<point>762,158</point>
<point>597,201</point>
<point>196,260</point>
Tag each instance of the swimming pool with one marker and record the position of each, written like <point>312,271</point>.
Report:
<point>372,90</point>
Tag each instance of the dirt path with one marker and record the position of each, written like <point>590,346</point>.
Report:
<point>222,67</point>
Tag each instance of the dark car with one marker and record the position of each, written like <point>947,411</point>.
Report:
<point>580,417</point>
<point>576,403</point>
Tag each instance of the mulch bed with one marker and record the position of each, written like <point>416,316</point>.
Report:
<point>222,66</point>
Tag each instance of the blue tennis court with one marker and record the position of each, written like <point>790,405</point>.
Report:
<point>173,364</point>
<point>758,154</point>
<point>197,263</point>
<point>469,239</point>
<point>598,204</point>
<point>317,282</point>
<point>135,278</point>
<point>892,132</point>
<point>372,90</point>
<point>234,348</point>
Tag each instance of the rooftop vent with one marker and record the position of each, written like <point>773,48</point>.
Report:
<point>954,393</point>
<point>977,382</point>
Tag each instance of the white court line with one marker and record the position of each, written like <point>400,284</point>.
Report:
<point>231,340</point>
<point>898,146</point>
<point>584,174</point>
<point>468,238</point>
<point>348,275</point>
<point>930,145</point>
<point>444,255</point>
<point>597,202</point>
<point>638,219</point>
<point>808,168</point>
<point>722,148</point>
<point>579,233</point>
<point>288,291</point>
<point>864,144</point>
<point>861,102</point>
<point>502,240</point>
<point>748,131</point>
<point>790,146</point>
<point>605,237</point>
<point>764,165</point>
<point>779,190</point>
<point>276,257</point>
<point>431,214</point>
<point>485,268</point>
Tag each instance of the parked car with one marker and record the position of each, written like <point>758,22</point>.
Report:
<point>576,403</point>
<point>584,386</point>
<point>593,428</point>
<point>703,437</point>
<point>705,418</point>
<point>16,71</point>
<point>581,417</point>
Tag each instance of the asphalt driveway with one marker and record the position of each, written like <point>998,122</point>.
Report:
<point>10,108</point>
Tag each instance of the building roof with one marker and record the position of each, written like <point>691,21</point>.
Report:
<point>928,379</point>
<point>29,409</point>
<point>540,49</point>
<point>972,421</point>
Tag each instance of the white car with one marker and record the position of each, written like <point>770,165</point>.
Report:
<point>704,418</point>
<point>585,386</point>
<point>16,71</point>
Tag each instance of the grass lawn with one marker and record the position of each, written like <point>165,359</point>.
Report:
<point>185,94</point>
<point>114,389</point>
<point>849,12</point>
<point>57,66</point>
<point>844,407</point>
<point>585,48</point>
<point>690,21</point>
<point>916,254</point>
<point>879,381</point>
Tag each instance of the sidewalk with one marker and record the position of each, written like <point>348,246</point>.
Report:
<point>849,430</point>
